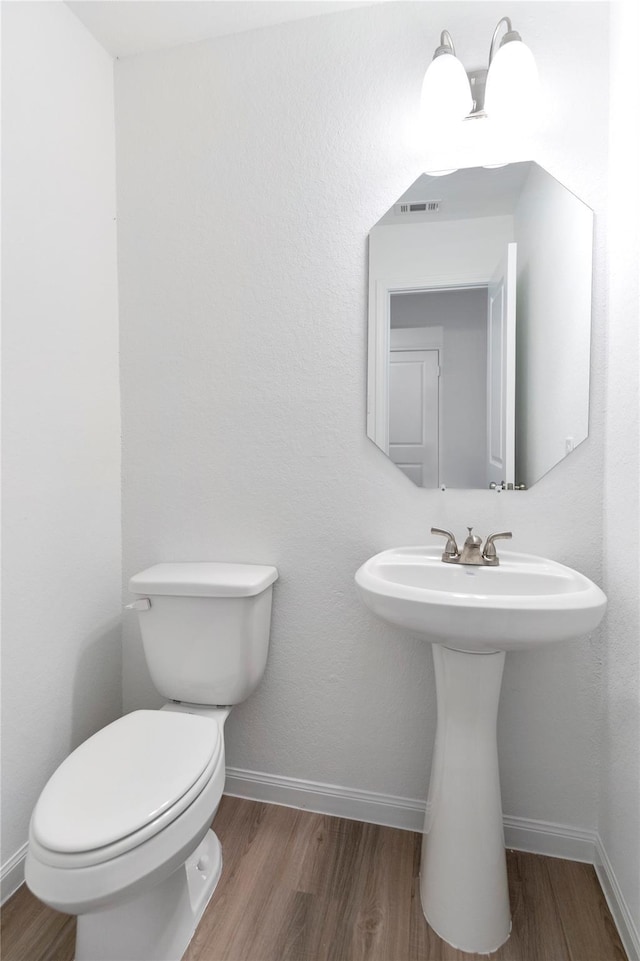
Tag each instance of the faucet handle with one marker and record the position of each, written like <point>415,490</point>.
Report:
<point>451,551</point>
<point>489,552</point>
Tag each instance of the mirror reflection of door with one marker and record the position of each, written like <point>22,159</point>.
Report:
<point>414,395</point>
<point>437,405</point>
<point>413,414</point>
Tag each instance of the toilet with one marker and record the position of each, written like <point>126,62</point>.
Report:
<point>120,835</point>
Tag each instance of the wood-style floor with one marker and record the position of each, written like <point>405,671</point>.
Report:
<point>304,887</point>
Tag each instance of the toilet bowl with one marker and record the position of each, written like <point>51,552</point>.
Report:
<point>121,834</point>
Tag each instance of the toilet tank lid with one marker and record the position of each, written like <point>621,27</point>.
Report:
<point>204,579</point>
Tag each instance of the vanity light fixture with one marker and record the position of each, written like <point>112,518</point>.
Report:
<point>508,88</point>
<point>446,94</point>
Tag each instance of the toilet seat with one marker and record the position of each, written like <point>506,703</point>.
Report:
<point>64,883</point>
<point>124,785</point>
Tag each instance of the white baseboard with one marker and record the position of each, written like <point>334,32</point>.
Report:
<point>12,874</point>
<point>521,834</point>
<point>624,922</point>
<point>553,840</point>
<point>342,802</point>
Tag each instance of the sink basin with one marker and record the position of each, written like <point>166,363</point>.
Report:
<point>525,602</point>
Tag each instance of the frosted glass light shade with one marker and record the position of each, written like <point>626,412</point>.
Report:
<point>513,86</point>
<point>446,94</point>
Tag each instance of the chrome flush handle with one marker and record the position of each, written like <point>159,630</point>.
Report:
<point>142,604</point>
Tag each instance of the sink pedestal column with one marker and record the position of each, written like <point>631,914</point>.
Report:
<point>463,874</point>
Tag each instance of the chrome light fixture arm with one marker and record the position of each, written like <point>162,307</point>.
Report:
<point>511,34</point>
<point>446,45</point>
<point>478,78</point>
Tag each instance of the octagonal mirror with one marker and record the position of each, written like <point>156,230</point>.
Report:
<point>480,327</point>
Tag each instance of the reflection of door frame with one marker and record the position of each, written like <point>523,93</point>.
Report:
<point>501,458</point>
<point>380,345</point>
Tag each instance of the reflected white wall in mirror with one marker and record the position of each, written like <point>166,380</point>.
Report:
<point>480,327</point>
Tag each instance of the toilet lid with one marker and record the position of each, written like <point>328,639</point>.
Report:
<point>129,774</point>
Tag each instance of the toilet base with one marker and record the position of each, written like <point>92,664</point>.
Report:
<point>158,924</point>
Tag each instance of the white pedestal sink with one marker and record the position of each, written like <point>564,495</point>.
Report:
<point>472,615</point>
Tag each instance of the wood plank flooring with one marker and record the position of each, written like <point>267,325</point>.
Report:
<point>304,887</point>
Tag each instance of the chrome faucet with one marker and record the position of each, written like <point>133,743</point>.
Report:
<point>471,550</point>
<point>471,553</point>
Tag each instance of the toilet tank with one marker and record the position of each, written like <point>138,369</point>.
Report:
<point>206,628</point>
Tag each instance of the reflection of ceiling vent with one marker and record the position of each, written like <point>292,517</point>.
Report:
<point>418,207</point>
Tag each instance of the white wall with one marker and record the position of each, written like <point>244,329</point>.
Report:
<point>428,254</point>
<point>462,315</point>
<point>250,171</point>
<point>619,822</point>
<point>61,662</point>
<point>554,235</point>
